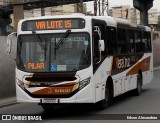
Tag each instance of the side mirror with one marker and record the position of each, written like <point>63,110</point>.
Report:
<point>12,45</point>
<point>101,48</point>
<point>101,45</point>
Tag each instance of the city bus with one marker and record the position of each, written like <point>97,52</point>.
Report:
<point>68,59</point>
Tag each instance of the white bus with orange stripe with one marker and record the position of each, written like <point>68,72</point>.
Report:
<point>80,59</point>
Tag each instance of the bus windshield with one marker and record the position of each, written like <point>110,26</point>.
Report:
<point>72,55</point>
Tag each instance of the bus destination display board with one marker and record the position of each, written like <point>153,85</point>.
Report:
<point>53,24</point>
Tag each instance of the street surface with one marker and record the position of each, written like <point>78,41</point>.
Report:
<point>147,103</point>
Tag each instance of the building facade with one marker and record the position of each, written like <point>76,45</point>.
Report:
<point>5,2</point>
<point>50,11</point>
<point>133,15</point>
<point>56,10</point>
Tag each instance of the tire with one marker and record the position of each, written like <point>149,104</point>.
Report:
<point>105,102</point>
<point>138,90</point>
<point>52,108</point>
<point>47,108</point>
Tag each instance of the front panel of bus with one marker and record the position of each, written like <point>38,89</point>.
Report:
<point>54,61</point>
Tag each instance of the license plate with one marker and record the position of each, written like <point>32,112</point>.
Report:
<point>49,100</point>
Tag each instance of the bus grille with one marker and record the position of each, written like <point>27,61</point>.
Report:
<point>49,79</point>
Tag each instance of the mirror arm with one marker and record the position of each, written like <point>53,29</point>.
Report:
<point>100,58</point>
<point>97,29</point>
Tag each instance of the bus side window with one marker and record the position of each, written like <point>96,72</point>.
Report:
<point>111,40</point>
<point>121,41</point>
<point>149,45</point>
<point>137,35</point>
<point>144,41</point>
<point>96,49</point>
<point>130,43</point>
<point>96,38</point>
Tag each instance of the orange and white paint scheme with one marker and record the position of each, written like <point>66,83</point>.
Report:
<point>117,72</point>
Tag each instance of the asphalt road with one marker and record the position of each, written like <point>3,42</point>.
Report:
<point>147,103</point>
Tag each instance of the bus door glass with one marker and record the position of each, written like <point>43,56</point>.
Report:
<point>96,38</point>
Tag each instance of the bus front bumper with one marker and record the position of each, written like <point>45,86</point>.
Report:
<point>83,96</point>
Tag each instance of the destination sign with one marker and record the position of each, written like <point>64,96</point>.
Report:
<point>53,24</point>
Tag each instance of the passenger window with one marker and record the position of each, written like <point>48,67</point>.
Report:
<point>137,35</point>
<point>144,41</point>
<point>96,38</point>
<point>130,43</point>
<point>121,41</point>
<point>96,49</point>
<point>149,45</point>
<point>111,40</point>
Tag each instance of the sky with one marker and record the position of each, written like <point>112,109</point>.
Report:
<point>113,3</point>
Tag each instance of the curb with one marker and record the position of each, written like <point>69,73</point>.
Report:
<point>7,102</point>
<point>156,68</point>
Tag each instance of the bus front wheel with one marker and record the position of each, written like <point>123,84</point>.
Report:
<point>103,104</point>
<point>52,108</point>
<point>48,108</point>
<point>138,90</point>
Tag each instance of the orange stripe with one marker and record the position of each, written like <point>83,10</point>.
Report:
<point>56,90</point>
<point>143,65</point>
<point>66,84</point>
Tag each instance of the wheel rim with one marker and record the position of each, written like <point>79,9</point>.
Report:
<point>139,87</point>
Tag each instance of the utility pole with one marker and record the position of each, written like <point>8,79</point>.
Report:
<point>80,7</point>
<point>18,12</point>
<point>42,12</point>
<point>143,6</point>
<point>99,6</point>
<point>81,3</point>
<point>126,13</point>
<point>121,12</point>
<point>158,19</point>
<point>95,7</point>
<point>107,4</point>
<point>102,7</point>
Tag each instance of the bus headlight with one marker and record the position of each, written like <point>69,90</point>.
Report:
<point>20,83</point>
<point>84,83</point>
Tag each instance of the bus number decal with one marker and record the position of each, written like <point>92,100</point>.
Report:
<point>122,63</point>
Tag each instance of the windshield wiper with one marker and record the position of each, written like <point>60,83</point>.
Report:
<point>61,41</point>
<point>40,42</point>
